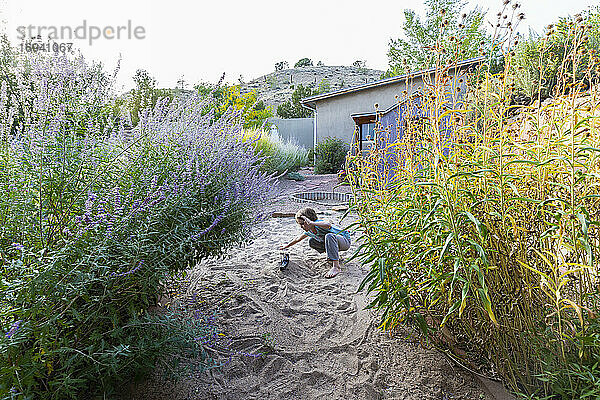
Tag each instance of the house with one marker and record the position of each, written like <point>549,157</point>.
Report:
<point>377,128</point>
<point>350,114</point>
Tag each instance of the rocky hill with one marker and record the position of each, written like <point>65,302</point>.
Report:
<point>277,87</point>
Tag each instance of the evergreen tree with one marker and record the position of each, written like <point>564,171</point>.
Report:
<point>292,108</point>
<point>303,62</point>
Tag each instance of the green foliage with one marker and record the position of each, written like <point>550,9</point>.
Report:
<point>483,231</point>
<point>278,155</point>
<point>254,112</point>
<point>526,61</point>
<point>537,61</point>
<point>18,106</point>
<point>324,86</point>
<point>303,62</point>
<point>8,60</point>
<point>361,65</point>
<point>456,34</point>
<point>225,97</point>
<point>144,96</point>
<point>94,223</point>
<point>292,108</point>
<point>311,157</point>
<point>330,155</point>
<point>272,80</point>
<point>295,176</point>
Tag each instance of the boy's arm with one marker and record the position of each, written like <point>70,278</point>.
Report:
<point>293,242</point>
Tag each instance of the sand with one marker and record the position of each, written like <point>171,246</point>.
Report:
<point>294,334</point>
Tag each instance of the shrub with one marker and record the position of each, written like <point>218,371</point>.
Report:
<point>94,220</point>
<point>483,231</point>
<point>295,176</point>
<point>311,157</point>
<point>330,155</point>
<point>281,65</point>
<point>278,156</point>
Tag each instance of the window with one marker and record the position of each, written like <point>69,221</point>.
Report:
<point>367,132</point>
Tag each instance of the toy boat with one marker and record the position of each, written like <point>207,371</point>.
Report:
<point>285,260</point>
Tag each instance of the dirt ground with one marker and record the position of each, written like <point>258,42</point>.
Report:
<point>294,334</point>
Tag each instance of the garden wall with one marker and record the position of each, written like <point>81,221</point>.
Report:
<point>299,130</point>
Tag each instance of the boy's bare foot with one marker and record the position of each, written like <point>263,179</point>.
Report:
<point>333,272</point>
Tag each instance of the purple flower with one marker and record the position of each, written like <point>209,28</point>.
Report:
<point>131,271</point>
<point>254,355</point>
<point>13,329</point>
<point>210,228</point>
<point>116,198</point>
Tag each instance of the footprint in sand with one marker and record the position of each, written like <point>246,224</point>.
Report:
<point>316,338</point>
<point>344,306</point>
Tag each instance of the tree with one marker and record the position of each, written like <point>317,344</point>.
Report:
<point>359,64</point>
<point>324,86</point>
<point>203,88</point>
<point>292,108</point>
<point>303,62</point>
<point>254,112</point>
<point>281,65</point>
<point>143,80</point>
<point>551,53</point>
<point>445,32</point>
<point>145,94</point>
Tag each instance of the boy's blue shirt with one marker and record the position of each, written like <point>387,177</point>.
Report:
<point>321,232</point>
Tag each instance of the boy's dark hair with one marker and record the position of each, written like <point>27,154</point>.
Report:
<point>308,213</point>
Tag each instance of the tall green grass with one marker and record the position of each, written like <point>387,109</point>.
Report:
<point>279,156</point>
<point>491,248</point>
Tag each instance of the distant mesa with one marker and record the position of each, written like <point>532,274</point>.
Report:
<point>277,87</point>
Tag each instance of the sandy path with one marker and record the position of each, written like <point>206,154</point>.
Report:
<point>315,339</point>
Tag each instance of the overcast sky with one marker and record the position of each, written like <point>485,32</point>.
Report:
<point>199,40</point>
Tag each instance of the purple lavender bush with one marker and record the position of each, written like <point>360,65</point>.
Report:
<point>94,219</point>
